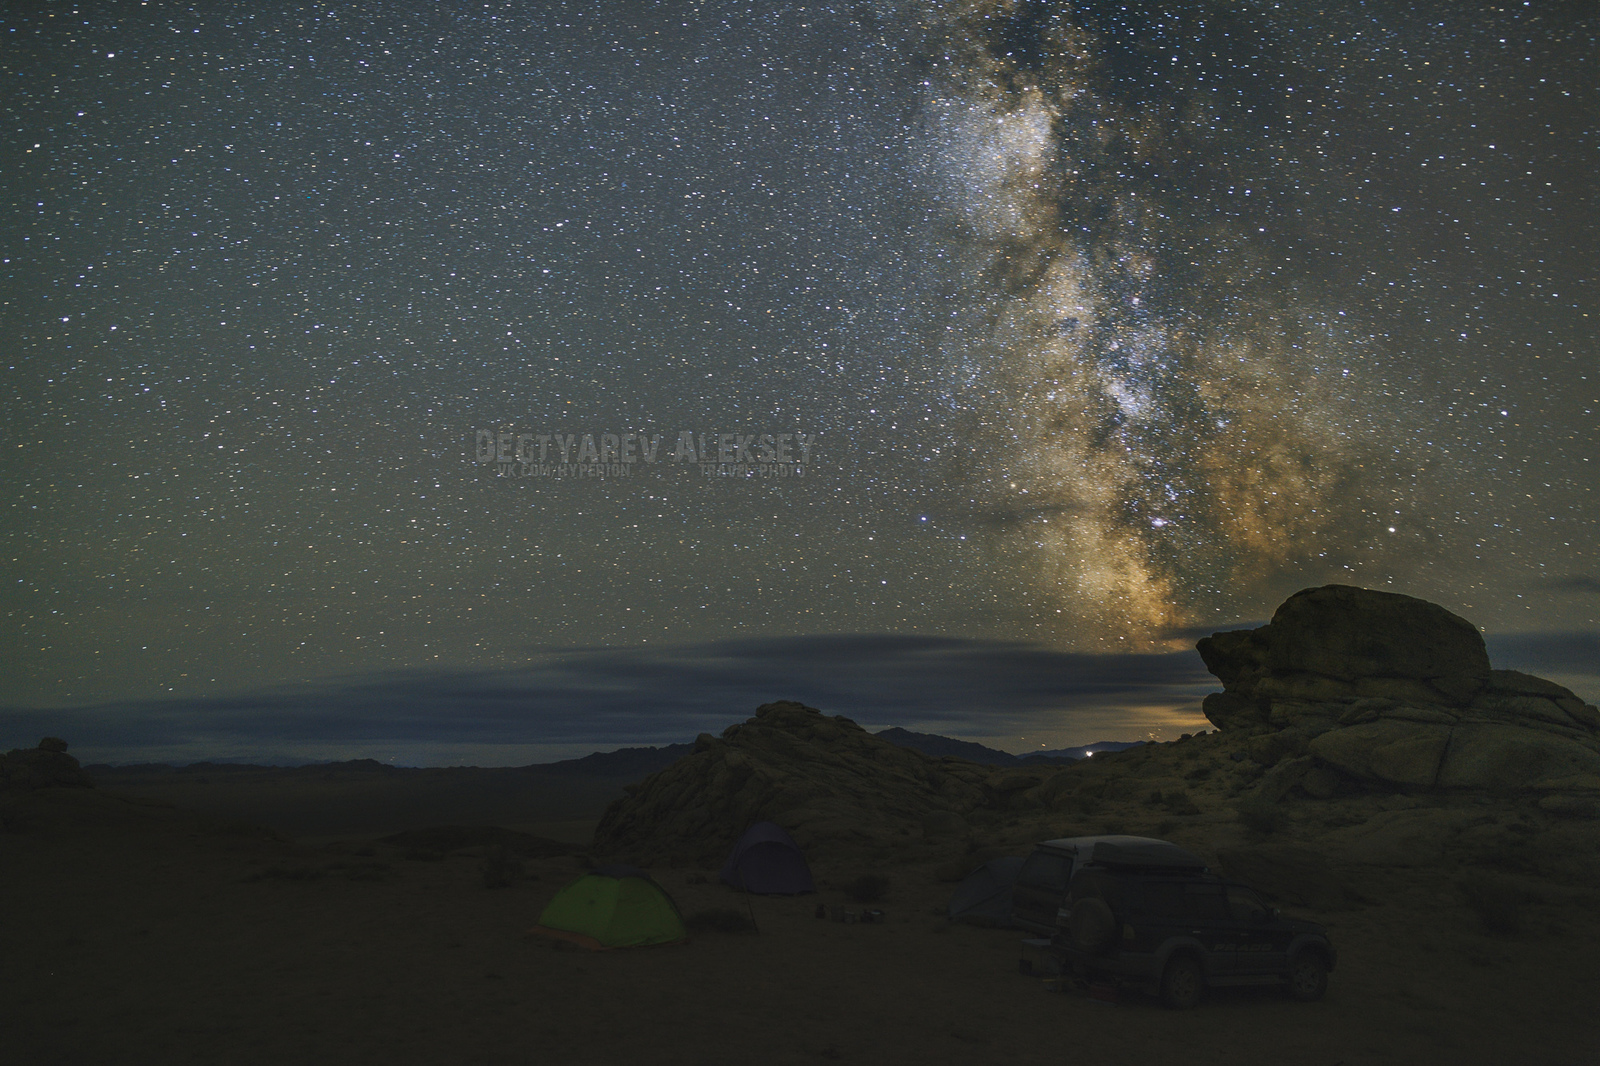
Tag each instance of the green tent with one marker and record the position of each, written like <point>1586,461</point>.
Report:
<point>613,907</point>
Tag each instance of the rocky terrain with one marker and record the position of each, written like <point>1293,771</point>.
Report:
<point>1368,689</point>
<point>1358,734</point>
<point>25,769</point>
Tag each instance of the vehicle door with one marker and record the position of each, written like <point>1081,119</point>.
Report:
<point>1261,946</point>
<point>1205,909</point>
<point>1156,911</point>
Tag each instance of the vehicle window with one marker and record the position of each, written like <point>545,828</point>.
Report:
<point>1046,870</point>
<point>1092,882</point>
<point>1205,901</point>
<point>1243,903</point>
<point>1161,899</point>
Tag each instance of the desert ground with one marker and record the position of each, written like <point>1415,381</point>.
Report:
<point>172,922</point>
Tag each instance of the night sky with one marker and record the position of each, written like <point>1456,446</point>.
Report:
<point>636,362</point>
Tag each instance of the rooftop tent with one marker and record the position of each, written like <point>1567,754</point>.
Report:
<point>984,896</point>
<point>1146,854</point>
<point>766,860</point>
<point>613,907</point>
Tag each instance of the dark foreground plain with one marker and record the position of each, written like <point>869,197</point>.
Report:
<point>138,932</point>
<point>1369,770</point>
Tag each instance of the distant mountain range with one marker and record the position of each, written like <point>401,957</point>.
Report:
<point>634,763</point>
<point>937,746</point>
<point>624,762</point>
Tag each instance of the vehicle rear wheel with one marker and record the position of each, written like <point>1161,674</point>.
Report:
<point>1092,925</point>
<point>1183,984</point>
<point>1308,977</point>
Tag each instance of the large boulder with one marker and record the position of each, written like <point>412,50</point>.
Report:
<point>1389,750</point>
<point>1493,755</point>
<point>1395,692</point>
<point>834,787</point>
<point>1353,634</point>
<point>1339,642</point>
<point>48,765</point>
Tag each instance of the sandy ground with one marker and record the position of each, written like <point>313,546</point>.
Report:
<point>136,933</point>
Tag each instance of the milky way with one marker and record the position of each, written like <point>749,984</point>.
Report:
<point>1178,407</point>
<point>1105,323</point>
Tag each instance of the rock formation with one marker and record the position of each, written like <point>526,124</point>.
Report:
<point>1348,697</point>
<point>1379,688</point>
<point>824,779</point>
<point>24,769</point>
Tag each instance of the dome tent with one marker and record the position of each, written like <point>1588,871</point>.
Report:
<point>767,861</point>
<point>613,907</point>
<point>984,895</point>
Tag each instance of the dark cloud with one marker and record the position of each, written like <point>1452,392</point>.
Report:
<point>1575,583</point>
<point>1191,634</point>
<point>605,697</point>
<point>564,702</point>
<point>1571,655</point>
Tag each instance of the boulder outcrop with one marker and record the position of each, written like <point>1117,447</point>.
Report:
<point>1345,698</point>
<point>24,769</point>
<point>1393,690</point>
<point>823,778</point>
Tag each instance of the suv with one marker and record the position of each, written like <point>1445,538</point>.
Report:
<point>1134,915</point>
<point>1040,890</point>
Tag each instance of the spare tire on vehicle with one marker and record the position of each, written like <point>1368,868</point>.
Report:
<point>1092,926</point>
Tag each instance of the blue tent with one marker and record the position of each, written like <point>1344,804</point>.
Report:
<point>766,860</point>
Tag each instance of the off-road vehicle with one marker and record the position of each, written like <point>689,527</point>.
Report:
<point>1135,914</point>
<point>1040,890</point>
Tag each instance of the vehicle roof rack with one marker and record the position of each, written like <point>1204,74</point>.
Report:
<point>1152,856</point>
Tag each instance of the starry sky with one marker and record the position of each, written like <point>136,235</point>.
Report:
<point>617,366</point>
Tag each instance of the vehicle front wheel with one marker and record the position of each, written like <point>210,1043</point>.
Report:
<point>1308,977</point>
<point>1183,984</point>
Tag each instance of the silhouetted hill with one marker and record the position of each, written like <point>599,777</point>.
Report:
<point>624,762</point>
<point>1083,752</point>
<point>938,747</point>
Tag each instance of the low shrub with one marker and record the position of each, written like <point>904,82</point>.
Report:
<point>1180,803</point>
